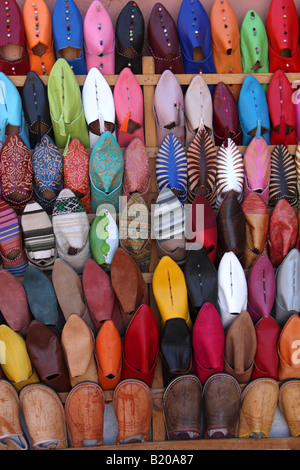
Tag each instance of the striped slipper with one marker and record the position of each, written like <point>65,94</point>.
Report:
<point>202,166</point>
<point>12,252</point>
<point>257,168</point>
<point>71,229</point>
<point>171,167</point>
<point>230,172</point>
<point>283,178</point>
<point>38,236</point>
<point>169,226</point>
<point>135,231</point>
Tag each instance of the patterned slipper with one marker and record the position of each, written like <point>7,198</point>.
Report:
<point>202,166</point>
<point>71,229</point>
<point>283,178</point>
<point>38,236</point>
<point>171,167</point>
<point>76,173</point>
<point>230,172</point>
<point>12,253</point>
<point>47,173</point>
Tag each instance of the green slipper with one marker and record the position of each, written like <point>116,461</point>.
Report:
<point>66,108</point>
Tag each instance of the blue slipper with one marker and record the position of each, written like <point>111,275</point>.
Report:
<point>67,27</point>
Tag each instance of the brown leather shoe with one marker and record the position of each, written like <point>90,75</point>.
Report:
<point>78,344</point>
<point>84,410</point>
<point>240,348</point>
<point>11,433</point>
<point>289,405</point>
<point>38,402</point>
<point>45,351</point>
<point>222,401</point>
<point>259,401</point>
<point>182,408</point>
<point>133,409</point>
<point>128,284</point>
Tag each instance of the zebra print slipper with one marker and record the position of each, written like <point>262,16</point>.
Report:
<point>283,178</point>
<point>202,166</point>
<point>230,172</point>
<point>171,167</point>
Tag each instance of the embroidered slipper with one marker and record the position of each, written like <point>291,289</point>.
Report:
<point>136,169</point>
<point>230,172</point>
<point>135,231</point>
<point>104,238</point>
<point>71,229</point>
<point>171,167</point>
<point>38,236</point>
<point>12,251</point>
<point>169,226</point>
<point>168,108</point>
<point>202,166</point>
<point>283,178</point>
<point>76,173</point>
<point>98,105</point>
<point>16,172</point>
<point>106,168</point>
<point>129,105</point>
<point>47,165</point>
<point>257,169</point>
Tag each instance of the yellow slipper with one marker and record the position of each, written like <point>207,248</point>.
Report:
<point>14,358</point>
<point>170,291</point>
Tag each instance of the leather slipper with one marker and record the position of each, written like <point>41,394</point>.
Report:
<point>78,344</point>
<point>257,168</point>
<point>11,432</point>
<point>108,355</point>
<point>182,401</point>
<point>222,402</point>
<point>287,299</point>
<point>259,402</point>
<point>240,348</point>
<point>84,410</point>
<point>140,346</point>
<point>289,405</point>
<point>38,403</point>
<point>288,367</point>
<point>46,354</point>
<point>133,409</point>
<point>266,358</point>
